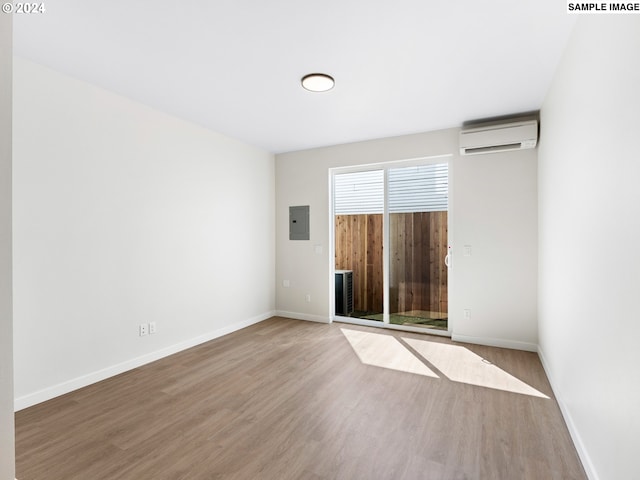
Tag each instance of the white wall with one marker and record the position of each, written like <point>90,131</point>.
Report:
<point>494,209</point>
<point>124,215</point>
<point>589,232</point>
<point>7,457</point>
<point>495,212</point>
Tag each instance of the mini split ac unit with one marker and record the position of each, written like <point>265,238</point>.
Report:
<point>499,138</point>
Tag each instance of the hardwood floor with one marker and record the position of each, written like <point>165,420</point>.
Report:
<point>287,399</point>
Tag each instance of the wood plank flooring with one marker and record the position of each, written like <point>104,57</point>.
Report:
<point>287,399</point>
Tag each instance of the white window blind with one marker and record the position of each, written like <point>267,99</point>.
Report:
<point>421,188</point>
<point>359,192</point>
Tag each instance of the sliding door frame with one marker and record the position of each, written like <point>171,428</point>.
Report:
<point>386,166</point>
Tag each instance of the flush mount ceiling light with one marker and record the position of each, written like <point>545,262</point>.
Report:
<point>318,82</point>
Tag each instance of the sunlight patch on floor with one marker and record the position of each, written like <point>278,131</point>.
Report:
<point>457,363</point>
<point>460,364</point>
<point>385,351</point>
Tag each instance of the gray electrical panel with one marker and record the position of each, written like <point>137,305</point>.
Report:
<point>299,223</point>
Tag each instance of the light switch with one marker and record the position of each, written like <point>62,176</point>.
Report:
<point>318,249</point>
<point>467,251</point>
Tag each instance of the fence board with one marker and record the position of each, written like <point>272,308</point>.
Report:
<point>418,277</point>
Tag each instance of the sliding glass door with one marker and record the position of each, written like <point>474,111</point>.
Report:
<point>359,208</point>
<point>417,198</point>
<point>390,244</point>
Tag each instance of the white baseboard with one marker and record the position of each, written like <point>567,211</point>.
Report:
<point>573,431</point>
<point>496,342</point>
<point>85,380</point>
<point>303,316</point>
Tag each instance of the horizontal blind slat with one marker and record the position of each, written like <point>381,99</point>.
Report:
<point>359,193</point>
<point>423,188</point>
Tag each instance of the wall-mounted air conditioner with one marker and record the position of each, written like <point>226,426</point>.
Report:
<point>499,138</point>
<point>344,292</point>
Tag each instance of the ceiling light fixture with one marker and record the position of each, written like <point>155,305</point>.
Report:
<point>318,82</point>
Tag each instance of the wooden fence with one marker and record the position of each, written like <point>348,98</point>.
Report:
<point>418,277</point>
<point>359,248</point>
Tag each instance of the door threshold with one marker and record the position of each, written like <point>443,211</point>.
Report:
<point>389,326</point>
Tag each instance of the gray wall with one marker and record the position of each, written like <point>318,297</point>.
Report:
<point>6,335</point>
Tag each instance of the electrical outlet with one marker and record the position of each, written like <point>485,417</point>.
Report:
<point>307,297</point>
<point>144,329</point>
<point>152,328</point>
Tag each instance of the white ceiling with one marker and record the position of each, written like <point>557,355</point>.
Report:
<point>234,66</point>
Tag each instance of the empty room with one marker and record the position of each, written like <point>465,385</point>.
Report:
<point>350,240</point>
